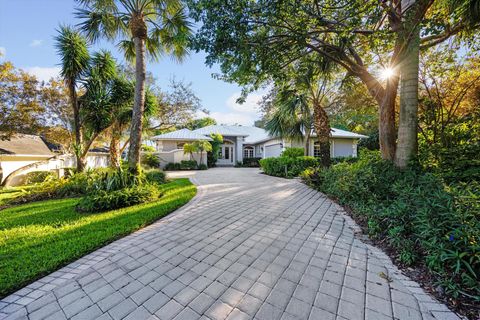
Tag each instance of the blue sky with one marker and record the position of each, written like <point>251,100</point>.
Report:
<point>27,29</point>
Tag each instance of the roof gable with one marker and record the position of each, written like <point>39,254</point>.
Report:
<point>24,144</point>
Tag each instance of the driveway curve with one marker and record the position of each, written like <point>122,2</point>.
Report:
<point>248,246</point>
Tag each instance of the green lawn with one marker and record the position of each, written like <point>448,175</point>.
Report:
<point>11,193</point>
<point>40,237</point>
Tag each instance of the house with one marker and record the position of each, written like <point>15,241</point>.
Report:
<point>24,153</point>
<point>241,142</point>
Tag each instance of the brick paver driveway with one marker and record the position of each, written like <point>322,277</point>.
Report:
<point>248,246</point>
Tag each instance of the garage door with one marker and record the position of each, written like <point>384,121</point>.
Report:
<point>273,150</point>
<point>343,148</point>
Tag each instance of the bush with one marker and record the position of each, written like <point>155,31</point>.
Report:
<point>183,165</point>
<point>39,177</point>
<point>150,160</point>
<point>421,218</point>
<point>155,176</point>
<point>249,163</point>
<point>287,167</point>
<point>293,152</point>
<point>102,200</point>
<point>202,166</point>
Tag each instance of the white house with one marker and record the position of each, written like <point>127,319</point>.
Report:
<point>24,153</point>
<point>248,142</point>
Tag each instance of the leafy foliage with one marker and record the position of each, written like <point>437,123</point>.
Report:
<point>293,152</point>
<point>212,156</point>
<point>183,165</point>
<point>109,200</point>
<point>287,167</point>
<point>249,163</point>
<point>156,176</point>
<point>38,177</point>
<point>150,160</point>
<point>424,220</point>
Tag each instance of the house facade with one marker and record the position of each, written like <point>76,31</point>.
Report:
<point>241,142</point>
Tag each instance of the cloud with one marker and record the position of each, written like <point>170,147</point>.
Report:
<point>3,53</point>
<point>44,73</point>
<point>244,114</point>
<point>36,43</point>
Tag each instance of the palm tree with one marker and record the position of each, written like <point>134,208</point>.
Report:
<point>292,117</point>
<point>309,89</point>
<point>202,146</point>
<point>190,148</point>
<point>73,50</point>
<point>145,26</point>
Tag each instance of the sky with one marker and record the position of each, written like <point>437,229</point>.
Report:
<point>27,30</point>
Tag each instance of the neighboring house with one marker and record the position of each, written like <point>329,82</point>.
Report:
<point>25,153</point>
<point>248,142</point>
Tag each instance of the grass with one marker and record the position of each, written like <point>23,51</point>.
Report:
<point>9,193</point>
<point>40,237</point>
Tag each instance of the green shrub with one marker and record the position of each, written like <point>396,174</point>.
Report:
<point>421,218</point>
<point>287,167</point>
<point>150,160</point>
<point>293,152</point>
<point>155,176</point>
<point>249,163</point>
<point>188,165</point>
<point>202,166</point>
<point>183,165</point>
<point>102,200</point>
<point>39,177</point>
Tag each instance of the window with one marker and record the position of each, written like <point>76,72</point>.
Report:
<point>316,149</point>
<point>248,152</point>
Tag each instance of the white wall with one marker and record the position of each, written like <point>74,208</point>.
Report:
<point>177,156</point>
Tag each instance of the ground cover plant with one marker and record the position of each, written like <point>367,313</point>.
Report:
<point>423,221</point>
<point>40,237</point>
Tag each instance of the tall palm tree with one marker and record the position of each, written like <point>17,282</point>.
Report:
<point>310,88</point>
<point>202,146</point>
<point>143,26</point>
<point>73,51</point>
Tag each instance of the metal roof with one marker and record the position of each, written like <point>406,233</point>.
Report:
<point>182,134</point>
<point>252,135</point>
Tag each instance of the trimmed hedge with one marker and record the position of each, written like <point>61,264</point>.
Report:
<point>287,167</point>
<point>418,216</point>
<point>183,165</point>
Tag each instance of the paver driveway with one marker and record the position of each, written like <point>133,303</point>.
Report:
<point>248,246</point>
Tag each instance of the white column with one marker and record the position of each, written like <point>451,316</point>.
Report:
<point>239,152</point>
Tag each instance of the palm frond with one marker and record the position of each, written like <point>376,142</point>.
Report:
<point>73,51</point>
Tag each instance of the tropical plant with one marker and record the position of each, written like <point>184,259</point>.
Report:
<point>190,149</point>
<point>73,51</point>
<point>146,27</point>
<point>212,156</point>
<point>202,146</point>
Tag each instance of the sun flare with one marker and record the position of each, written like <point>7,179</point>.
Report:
<point>387,73</point>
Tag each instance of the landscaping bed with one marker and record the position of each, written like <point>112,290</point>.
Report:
<point>40,237</point>
<point>431,229</point>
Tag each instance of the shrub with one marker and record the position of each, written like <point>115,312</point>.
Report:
<point>421,218</point>
<point>183,165</point>
<point>287,167</point>
<point>188,165</point>
<point>39,177</point>
<point>249,163</point>
<point>155,176</point>
<point>202,166</point>
<point>150,160</point>
<point>293,152</point>
<point>102,200</point>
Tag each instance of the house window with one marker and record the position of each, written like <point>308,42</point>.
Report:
<point>316,149</point>
<point>248,152</point>
<point>180,145</point>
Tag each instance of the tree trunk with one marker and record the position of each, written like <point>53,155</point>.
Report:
<point>76,126</point>
<point>114,147</point>
<point>407,145</point>
<point>385,98</point>
<point>138,107</point>
<point>386,124</point>
<point>322,128</point>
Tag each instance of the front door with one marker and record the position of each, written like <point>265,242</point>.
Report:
<point>226,155</point>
